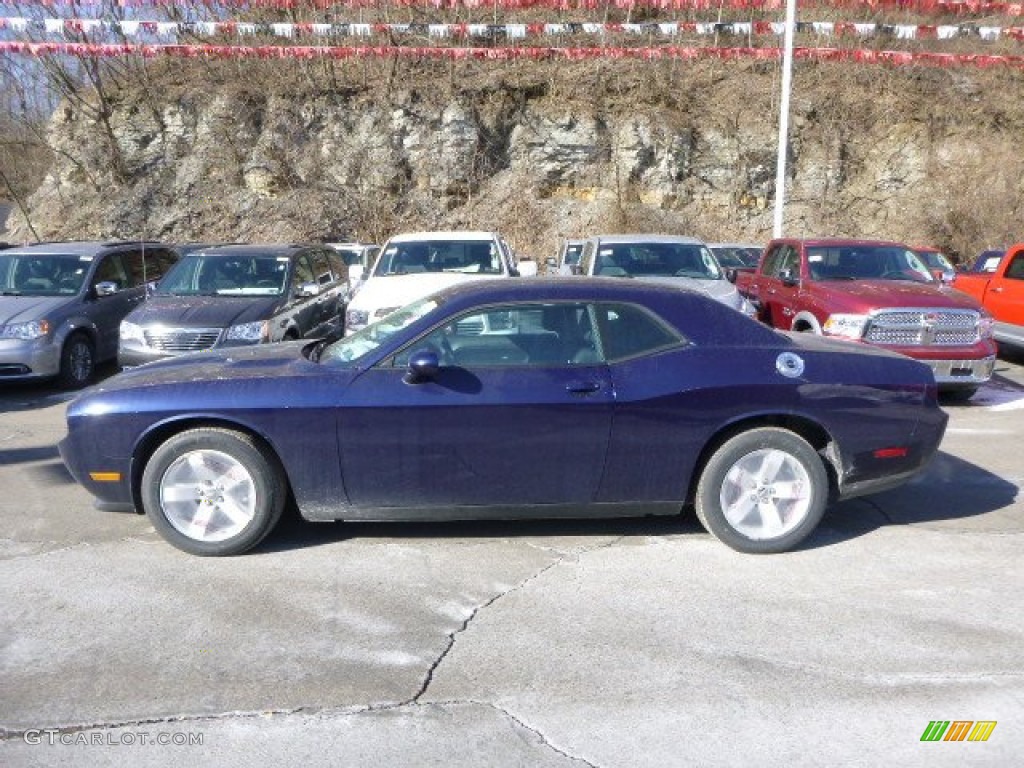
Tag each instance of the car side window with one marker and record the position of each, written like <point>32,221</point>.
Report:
<point>321,268</point>
<point>1015,269</point>
<point>338,266</point>
<point>145,266</point>
<point>627,330</point>
<point>772,261</point>
<point>111,270</point>
<point>514,335</point>
<point>303,272</point>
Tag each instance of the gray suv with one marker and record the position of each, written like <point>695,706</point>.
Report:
<point>61,305</point>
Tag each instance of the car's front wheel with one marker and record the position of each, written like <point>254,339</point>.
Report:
<point>213,491</point>
<point>77,362</point>
<point>762,491</point>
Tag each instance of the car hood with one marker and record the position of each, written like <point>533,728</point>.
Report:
<point>204,311</point>
<point>865,295</point>
<point>399,290</point>
<point>25,309</point>
<point>263,361</point>
<point>722,290</point>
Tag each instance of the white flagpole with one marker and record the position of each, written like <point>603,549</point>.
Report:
<point>787,84</point>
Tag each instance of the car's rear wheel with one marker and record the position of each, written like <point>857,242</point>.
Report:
<point>212,491</point>
<point>762,491</point>
<point>77,362</point>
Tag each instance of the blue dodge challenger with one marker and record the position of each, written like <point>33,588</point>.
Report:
<point>565,397</point>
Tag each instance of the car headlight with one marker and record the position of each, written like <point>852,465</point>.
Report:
<point>985,324</point>
<point>846,326</point>
<point>25,331</point>
<point>250,332</point>
<point>358,317</point>
<point>131,332</point>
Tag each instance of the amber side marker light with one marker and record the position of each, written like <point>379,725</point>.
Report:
<point>105,477</point>
<point>890,453</point>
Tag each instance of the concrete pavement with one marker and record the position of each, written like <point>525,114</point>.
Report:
<point>590,643</point>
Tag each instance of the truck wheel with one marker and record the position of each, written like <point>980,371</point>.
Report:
<point>762,491</point>
<point>77,362</point>
<point>212,491</point>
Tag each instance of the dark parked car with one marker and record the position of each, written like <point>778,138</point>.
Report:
<point>62,304</point>
<point>238,295</point>
<point>554,397</point>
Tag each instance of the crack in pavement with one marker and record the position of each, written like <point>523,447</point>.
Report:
<point>429,677</point>
<point>536,732</point>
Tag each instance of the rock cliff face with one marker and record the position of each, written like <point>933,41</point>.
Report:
<point>866,158</point>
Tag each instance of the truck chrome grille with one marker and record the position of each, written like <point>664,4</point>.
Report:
<point>178,340</point>
<point>938,327</point>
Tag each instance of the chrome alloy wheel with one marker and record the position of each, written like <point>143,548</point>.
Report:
<point>208,495</point>
<point>81,361</point>
<point>766,494</point>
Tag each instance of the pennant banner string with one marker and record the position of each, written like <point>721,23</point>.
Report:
<point>945,7</point>
<point>135,28</point>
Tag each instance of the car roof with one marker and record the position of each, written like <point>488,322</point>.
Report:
<point>642,238</point>
<point>556,289</point>
<point>254,249</point>
<point>79,247</point>
<point>444,235</point>
<point>735,245</point>
<point>842,241</point>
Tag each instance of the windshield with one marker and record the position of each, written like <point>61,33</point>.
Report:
<point>866,262</point>
<point>469,256</point>
<point>657,260</point>
<point>936,260</point>
<point>365,341</point>
<point>236,274</point>
<point>42,274</point>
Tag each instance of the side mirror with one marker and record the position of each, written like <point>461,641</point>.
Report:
<point>105,288</point>
<point>305,290</point>
<point>576,269</point>
<point>730,274</point>
<point>424,365</point>
<point>788,277</point>
<point>355,273</point>
<point>551,261</point>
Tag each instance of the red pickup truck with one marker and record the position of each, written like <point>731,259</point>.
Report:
<point>878,293</point>
<point>1002,294</point>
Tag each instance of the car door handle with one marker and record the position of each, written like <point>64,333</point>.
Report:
<point>997,289</point>
<point>582,387</point>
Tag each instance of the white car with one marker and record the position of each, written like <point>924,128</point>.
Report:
<point>414,265</point>
<point>359,257</point>
<point>685,262</point>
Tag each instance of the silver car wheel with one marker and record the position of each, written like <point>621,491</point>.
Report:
<point>208,495</point>
<point>766,494</point>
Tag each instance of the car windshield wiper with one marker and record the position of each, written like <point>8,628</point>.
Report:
<point>10,293</point>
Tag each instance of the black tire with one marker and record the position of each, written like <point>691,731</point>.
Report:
<point>77,362</point>
<point>795,467</point>
<point>213,491</point>
<point>958,394</point>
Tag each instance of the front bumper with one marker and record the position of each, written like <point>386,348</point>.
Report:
<point>965,372</point>
<point>22,360</point>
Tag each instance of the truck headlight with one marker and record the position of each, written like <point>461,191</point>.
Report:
<point>846,326</point>
<point>33,329</point>
<point>252,333</point>
<point>131,332</point>
<point>985,324</point>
